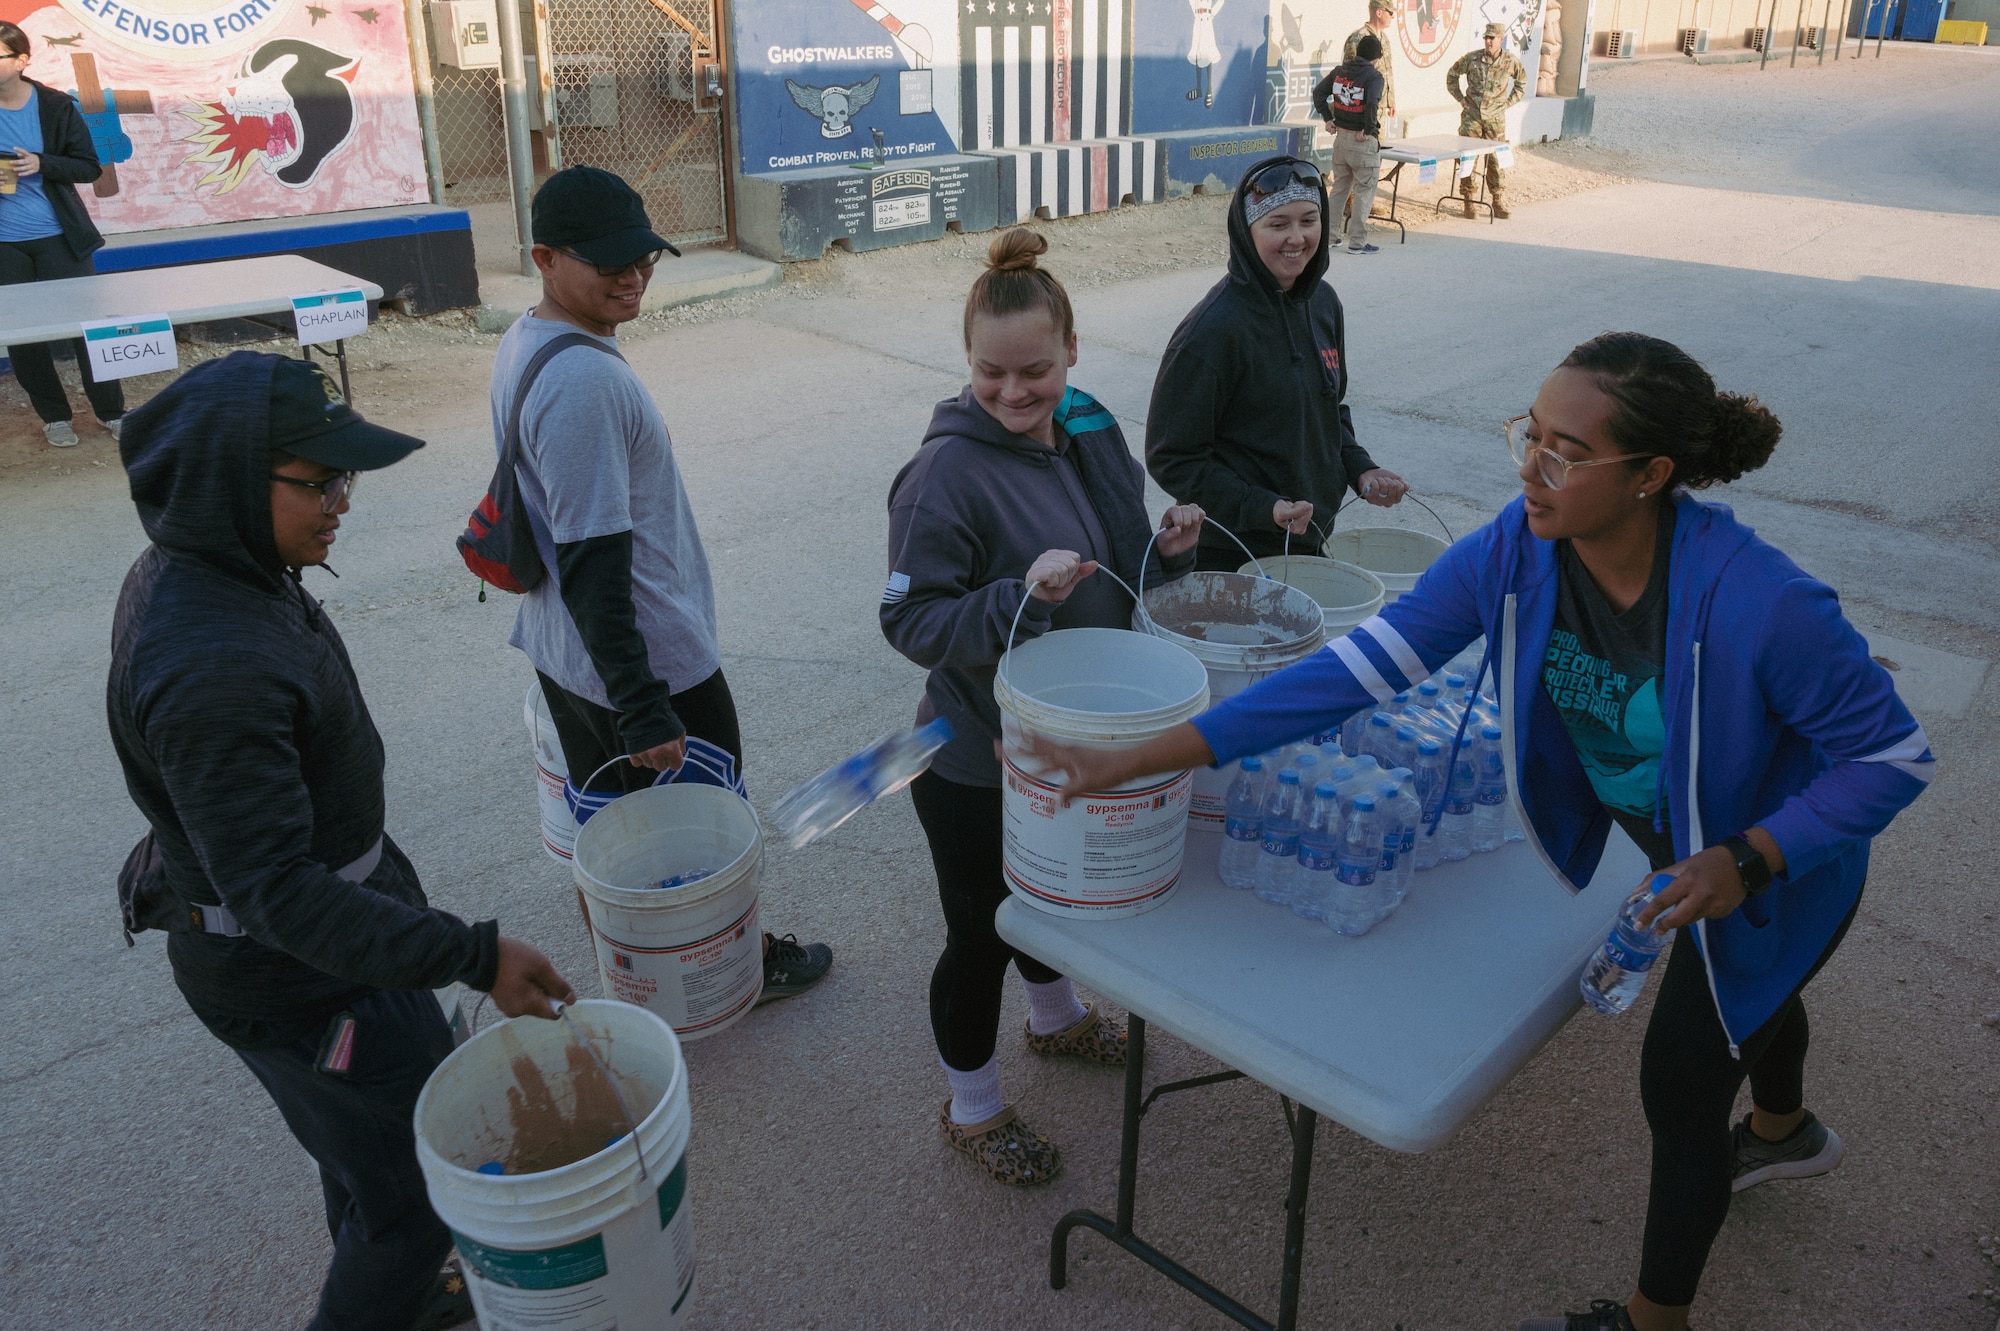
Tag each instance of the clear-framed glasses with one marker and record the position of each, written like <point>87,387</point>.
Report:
<point>1552,467</point>
<point>331,490</point>
<point>644,263</point>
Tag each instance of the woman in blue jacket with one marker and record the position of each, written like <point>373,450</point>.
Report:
<point>1660,668</point>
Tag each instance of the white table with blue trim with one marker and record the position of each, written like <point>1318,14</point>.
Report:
<point>1402,1034</point>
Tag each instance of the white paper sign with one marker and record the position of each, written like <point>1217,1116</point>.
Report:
<point>121,348</point>
<point>1504,155</point>
<point>1465,167</point>
<point>1427,170</point>
<point>330,316</point>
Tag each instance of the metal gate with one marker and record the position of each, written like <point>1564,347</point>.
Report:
<point>636,88</point>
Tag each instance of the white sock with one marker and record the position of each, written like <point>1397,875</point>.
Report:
<point>975,1096</point>
<point>1053,1006</point>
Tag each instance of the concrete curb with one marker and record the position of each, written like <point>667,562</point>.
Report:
<point>697,276</point>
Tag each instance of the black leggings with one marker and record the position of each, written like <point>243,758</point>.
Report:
<point>962,823</point>
<point>42,260</point>
<point>1688,1084</point>
<point>589,733</point>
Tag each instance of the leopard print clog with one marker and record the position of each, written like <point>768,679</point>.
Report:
<point>1004,1147</point>
<point>1093,1038</point>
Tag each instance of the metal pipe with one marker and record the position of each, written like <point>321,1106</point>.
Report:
<point>1825,31</point>
<point>420,70</point>
<point>514,102</point>
<point>1798,25</point>
<point>1295,1216</point>
<point>1770,27</point>
<point>1128,1145</point>
<point>1860,29</point>
<point>1882,26</point>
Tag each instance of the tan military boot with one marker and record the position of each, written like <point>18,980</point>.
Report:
<point>1465,198</point>
<point>1500,207</point>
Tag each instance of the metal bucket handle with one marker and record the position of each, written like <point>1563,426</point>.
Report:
<point>1411,496</point>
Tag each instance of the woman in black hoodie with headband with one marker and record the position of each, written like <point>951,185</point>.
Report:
<point>1021,479</point>
<point>1248,417</point>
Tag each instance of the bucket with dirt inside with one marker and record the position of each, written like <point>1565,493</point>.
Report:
<point>565,1218</point>
<point>551,772</point>
<point>1396,555</point>
<point>1241,628</point>
<point>1108,854</point>
<point>1347,593</point>
<point>669,880</point>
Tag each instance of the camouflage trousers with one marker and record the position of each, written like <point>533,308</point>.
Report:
<point>1472,128</point>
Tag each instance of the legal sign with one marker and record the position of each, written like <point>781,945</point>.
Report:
<point>329,316</point>
<point>121,348</point>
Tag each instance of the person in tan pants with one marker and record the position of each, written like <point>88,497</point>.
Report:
<point>1349,100</point>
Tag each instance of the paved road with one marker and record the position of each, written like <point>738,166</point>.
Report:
<point>149,1183</point>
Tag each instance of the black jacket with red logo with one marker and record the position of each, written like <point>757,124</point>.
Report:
<point>1351,97</point>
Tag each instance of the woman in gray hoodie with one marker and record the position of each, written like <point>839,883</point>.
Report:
<point>1021,479</point>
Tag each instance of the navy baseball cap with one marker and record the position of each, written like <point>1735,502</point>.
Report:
<point>596,216</point>
<point>311,419</point>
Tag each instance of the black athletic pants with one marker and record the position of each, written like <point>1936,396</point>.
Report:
<point>1688,1085</point>
<point>589,733</point>
<point>962,823</point>
<point>388,1244</point>
<point>42,260</point>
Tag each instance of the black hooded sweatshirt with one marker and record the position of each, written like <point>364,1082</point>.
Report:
<point>245,742</point>
<point>1247,408</point>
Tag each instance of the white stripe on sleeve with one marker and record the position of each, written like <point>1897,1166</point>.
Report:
<point>1909,755</point>
<point>1399,650</point>
<point>1364,670</point>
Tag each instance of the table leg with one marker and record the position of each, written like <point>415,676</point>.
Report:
<point>1128,1140</point>
<point>1304,1125</point>
<point>340,354</point>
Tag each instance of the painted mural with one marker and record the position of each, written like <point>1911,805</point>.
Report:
<point>219,112</point>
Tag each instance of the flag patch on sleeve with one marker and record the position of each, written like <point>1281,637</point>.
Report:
<point>897,590</point>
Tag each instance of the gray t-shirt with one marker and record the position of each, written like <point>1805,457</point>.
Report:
<point>595,461</point>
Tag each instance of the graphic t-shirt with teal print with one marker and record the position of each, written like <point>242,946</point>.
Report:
<point>1603,672</point>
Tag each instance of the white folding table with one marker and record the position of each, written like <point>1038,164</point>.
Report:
<point>1434,149</point>
<point>1401,1034</point>
<point>254,289</point>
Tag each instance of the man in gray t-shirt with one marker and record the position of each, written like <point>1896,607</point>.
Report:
<point>622,632</point>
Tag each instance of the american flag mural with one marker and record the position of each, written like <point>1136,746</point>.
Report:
<point>1043,71</point>
<point>1065,179</point>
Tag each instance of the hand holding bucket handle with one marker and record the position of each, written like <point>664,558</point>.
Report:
<point>1054,575</point>
<point>524,981</point>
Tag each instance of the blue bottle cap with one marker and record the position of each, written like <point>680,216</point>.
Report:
<point>1326,790</point>
<point>1364,803</point>
<point>1659,880</point>
<point>1428,690</point>
<point>1289,777</point>
<point>1454,681</point>
<point>1381,719</point>
<point>1387,790</point>
<point>1427,747</point>
<point>1404,696</point>
<point>1252,764</point>
<point>1405,733</point>
<point>1343,773</point>
<point>1490,732</point>
<point>1308,761</point>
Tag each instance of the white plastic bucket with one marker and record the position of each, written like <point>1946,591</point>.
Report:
<point>1396,555</point>
<point>1347,593</point>
<point>1107,855</point>
<point>1241,628</point>
<point>598,1242</point>
<point>694,955</point>
<point>551,771</point>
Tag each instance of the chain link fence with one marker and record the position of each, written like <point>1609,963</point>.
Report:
<point>471,133</point>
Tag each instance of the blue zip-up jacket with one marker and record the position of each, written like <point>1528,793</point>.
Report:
<point>1776,715</point>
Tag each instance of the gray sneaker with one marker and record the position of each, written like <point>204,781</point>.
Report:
<point>1813,1149</point>
<point>60,433</point>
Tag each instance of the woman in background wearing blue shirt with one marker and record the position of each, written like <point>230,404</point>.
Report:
<point>44,231</point>
<point>1660,668</point>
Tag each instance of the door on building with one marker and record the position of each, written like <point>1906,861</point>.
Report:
<point>1882,17</point>
<point>1921,19</point>
<point>636,87</point>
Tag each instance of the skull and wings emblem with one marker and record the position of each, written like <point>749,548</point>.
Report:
<point>835,107</point>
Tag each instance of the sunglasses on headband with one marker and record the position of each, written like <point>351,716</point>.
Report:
<point>1279,176</point>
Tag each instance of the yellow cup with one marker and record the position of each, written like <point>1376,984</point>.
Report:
<point>6,176</point>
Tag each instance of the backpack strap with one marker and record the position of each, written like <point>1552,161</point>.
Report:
<point>510,443</point>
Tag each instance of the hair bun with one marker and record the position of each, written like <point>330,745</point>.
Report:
<point>1745,433</point>
<point>1015,251</point>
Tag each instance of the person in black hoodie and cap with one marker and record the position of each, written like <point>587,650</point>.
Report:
<point>297,930</point>
<point>1021,480</point>
<point>1248,418</point>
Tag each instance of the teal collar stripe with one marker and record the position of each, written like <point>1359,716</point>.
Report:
<point>1080,413</point>
<point>128,330</point>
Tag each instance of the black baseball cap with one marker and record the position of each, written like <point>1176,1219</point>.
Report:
<point>311,419</point>
<point>596,216</point>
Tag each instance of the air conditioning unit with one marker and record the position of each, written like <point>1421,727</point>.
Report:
<point>1810,38</point>
<point>465,34</point>
<point>1694,41</point>
<point>1759,38</point>
<point>586,90</point>
<point>1621,44</point>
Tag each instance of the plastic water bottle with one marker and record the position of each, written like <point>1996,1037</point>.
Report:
<point>1455,827</point>
<point>1396,805</point>
<point>1278,846</point>
<point>1406,748</point>
<point>1380,741</point>
<point>1489,793</point>
<point>1319,844</point>
<point>1428,778</point>
<point>1399,704</point>
<point>813,808</point>
<point>1353,730</point>
<point>1243,826</point>
<point>1614,977</point>
<point>1351,911</point>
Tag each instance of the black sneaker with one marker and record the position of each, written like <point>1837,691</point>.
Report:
<point>449,1304</point>
<point>1812,1149</point>
<point>1364,249</point>
<point>791,967</point>
<point>1604,1315</point>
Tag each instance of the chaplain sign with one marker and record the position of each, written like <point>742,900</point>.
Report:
<point>121,348</point>
<point>330,316</point>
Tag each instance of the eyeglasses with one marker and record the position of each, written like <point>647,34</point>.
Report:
<point>644,263</point>
<point>1552,467</point>
<point>1279,176</point>
<point>331,490</point>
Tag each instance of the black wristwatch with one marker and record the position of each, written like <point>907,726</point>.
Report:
<point>1750,865</point>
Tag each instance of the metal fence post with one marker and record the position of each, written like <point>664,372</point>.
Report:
<point>1797,27</point>
<point>1764,51</point>
<point>1825,31</point>
<point>420,70</point>
<point>514,103</point>
<point>1881,28</point>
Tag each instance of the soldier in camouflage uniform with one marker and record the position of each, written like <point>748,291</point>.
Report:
<point>1381,13</point>
<point>1493,80</point>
